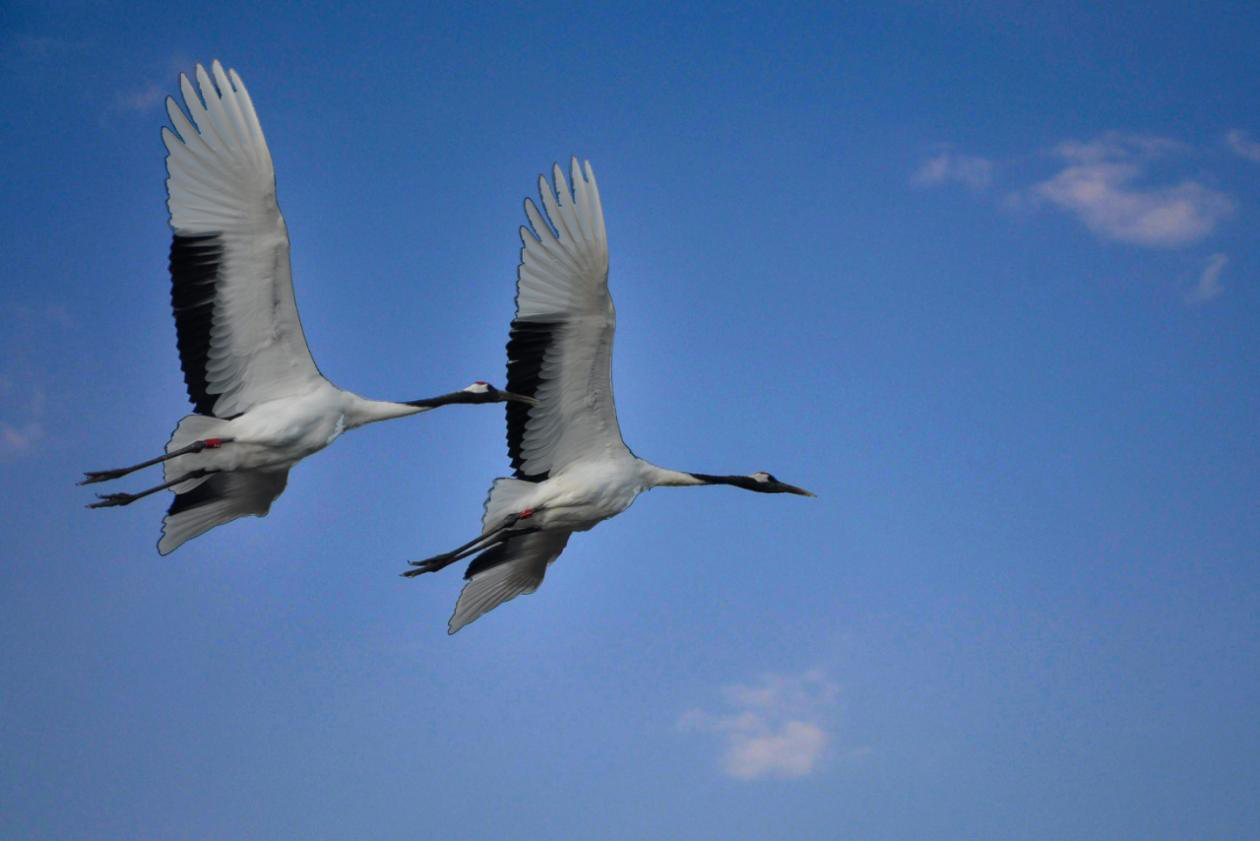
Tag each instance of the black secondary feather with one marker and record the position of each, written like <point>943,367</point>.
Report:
<point>195,262</point>
<point>492,557</point>
<point>529,342</point>
<point>215,487</point>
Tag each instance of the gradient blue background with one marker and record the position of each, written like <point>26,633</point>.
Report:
<point>1031,570</point>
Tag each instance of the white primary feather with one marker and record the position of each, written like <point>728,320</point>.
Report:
<point>221,181</point>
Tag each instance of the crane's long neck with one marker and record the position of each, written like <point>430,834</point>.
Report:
<point>656,477</point>
<point>360,410</point>
<point>663,477</point>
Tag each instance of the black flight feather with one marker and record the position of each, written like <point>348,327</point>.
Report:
<point>529,342</point>
<point>195,262</point>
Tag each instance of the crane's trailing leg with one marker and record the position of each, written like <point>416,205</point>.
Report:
<point>472,547</point>
<point>111,500</point>
<point>94,476</point>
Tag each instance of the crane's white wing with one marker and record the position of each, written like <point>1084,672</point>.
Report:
<point>240,341</point>
<point>505,571</point>
<point>560,346</point>
<point>221,498</point>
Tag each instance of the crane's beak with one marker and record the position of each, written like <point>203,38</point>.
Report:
<point>519,398</point>
<point>792,489</point>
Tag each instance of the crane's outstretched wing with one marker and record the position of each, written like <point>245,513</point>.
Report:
<point>240,341</point>
<point>560,346</point>
<point>505,571</point>
<point>220,499</point>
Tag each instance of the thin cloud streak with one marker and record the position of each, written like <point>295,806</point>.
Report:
<point>971,171</point>
<point>15,440</point>
<point>140,100</point>
<point>1243,145</point>
<point>776,727</point>
<point>1209,286</point>
<point>19,437</point>
<point>1115,145</point>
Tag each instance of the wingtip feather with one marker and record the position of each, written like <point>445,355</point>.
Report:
<point>562,185</point>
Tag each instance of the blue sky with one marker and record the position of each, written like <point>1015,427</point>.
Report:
<point>985,280</point>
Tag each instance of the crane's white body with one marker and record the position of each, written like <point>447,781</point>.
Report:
<point>581,495</point>
<point>279,433</point>
<point>573,470</point>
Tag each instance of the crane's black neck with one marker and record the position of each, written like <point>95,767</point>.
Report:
<point>746,482</point>
<point>456,397</point>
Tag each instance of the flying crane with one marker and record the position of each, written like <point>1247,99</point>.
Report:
<point>260,404</point>
<point>572,469</point>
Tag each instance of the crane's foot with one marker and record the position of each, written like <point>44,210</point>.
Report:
<point>93,476</point>
<point>433,564</point>
<point>110,500</point>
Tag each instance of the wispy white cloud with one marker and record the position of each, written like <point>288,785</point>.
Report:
<point>21,419</point>
<point>971,171</point>
<point>1100,184</point>
<point>24,330</point>
<point>139,100</point>
<point>16,440</point>
<point>1242,144</point>
<point>776,727</point>
<point>146,96</point>
<point>1116,145</point>
<point>1209,285</point>
<point>1103,196</point>
<point>1113,183</point>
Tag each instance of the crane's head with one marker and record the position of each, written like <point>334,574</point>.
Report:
<point>483,392</point>
<point>763,482</point>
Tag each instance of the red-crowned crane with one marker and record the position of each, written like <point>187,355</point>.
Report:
<point>260,404</point>
<point>572,468</point>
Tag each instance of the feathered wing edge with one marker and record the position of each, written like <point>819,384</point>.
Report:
<point>240,337</point>
<point>560,344</point>
<point>220,176</point>
<point>504,572</point>
<point>219,499</point>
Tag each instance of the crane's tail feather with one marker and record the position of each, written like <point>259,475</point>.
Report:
<point>191,428</point>
<point>217,499</point>
<point>507,496</point>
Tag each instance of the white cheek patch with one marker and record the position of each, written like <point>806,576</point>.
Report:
<point>761,476</point>
<point>478,387</point>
